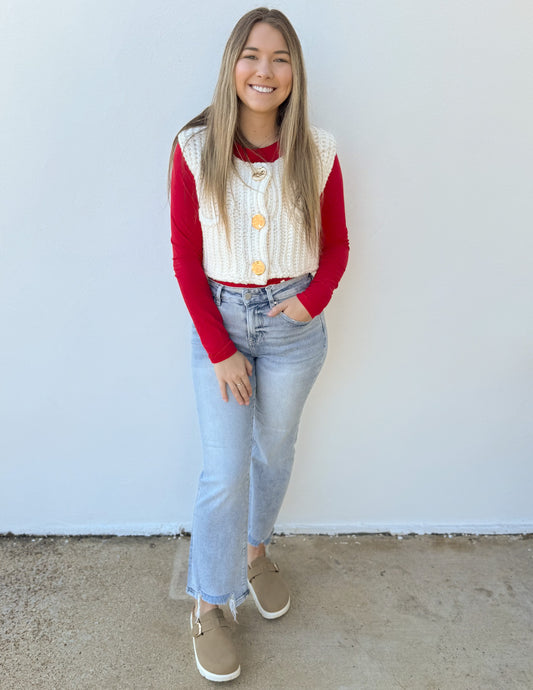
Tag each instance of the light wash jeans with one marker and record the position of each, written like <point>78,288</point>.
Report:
<point>248,450</point>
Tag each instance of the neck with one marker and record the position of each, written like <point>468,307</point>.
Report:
<point>260,129</point>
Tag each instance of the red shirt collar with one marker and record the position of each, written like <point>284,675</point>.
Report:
<point>268,154</point>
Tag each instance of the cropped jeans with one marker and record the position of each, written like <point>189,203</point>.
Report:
<point>248,450</point>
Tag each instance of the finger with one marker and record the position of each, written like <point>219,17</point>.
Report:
<point>244,389</point>
<point>223,391</point>
<point>245,379</point>
<point>237,393</point>
<point>277,309</point>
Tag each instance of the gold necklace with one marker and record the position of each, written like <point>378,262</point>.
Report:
<point>258,168</point>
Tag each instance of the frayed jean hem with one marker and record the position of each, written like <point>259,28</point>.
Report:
<point>229,599</point>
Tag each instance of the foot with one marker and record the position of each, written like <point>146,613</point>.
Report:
<point>254,552</point>
<point>214,651</point>
<point>268,588</point>
<point>204,608</point>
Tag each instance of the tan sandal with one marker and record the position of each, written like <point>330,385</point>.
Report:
<point>269,590</point>
<point>214,651</point>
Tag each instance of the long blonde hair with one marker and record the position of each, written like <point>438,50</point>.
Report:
<point>300,173</point>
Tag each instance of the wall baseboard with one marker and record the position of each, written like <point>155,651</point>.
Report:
<point>172,528</point>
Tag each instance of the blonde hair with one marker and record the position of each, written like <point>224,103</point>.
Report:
<point>300,173</point>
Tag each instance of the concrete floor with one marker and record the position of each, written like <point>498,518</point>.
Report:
<point>371,611</point>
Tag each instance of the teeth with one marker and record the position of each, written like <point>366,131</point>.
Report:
<point>262,89</point>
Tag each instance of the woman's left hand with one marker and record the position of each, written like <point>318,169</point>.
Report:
<point>293,308</point>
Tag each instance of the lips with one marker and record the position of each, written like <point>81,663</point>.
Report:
<point>262,89</point>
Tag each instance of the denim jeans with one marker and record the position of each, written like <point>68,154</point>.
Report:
<point>248,451</point>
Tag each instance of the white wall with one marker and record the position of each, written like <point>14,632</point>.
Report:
<point>421,418</point>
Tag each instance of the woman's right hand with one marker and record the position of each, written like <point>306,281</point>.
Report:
<point>235,371</point>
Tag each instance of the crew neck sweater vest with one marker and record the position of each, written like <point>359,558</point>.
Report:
<point>265,241</point>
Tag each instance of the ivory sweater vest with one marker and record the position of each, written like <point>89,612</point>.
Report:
<point>265,241</point>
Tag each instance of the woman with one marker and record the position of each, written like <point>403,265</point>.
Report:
<point>259,244</point>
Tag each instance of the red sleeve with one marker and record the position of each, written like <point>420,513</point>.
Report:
<point>335,245</point>
<point>187,253</point>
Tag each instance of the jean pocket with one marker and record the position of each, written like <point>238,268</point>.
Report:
<point>293,321</point>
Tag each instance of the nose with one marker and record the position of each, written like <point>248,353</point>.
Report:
<point>264,69</point>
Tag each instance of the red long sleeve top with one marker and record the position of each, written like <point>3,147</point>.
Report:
<point>186,238</point>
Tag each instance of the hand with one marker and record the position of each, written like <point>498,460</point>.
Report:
<point>235,372</point>
<point>292,308</point>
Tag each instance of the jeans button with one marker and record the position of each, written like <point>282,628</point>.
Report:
<point>247,296</point>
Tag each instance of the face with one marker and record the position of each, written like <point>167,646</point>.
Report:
<point>263,73</point>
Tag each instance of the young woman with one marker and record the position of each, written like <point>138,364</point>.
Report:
<point>259,244</point>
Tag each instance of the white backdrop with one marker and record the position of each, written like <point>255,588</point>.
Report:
<point>421,418</point>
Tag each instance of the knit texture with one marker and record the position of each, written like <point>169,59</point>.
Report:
<point>280,245</point>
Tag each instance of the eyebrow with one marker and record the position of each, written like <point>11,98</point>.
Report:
<point>275,52</point>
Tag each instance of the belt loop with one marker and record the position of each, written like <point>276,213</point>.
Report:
<point>271,298</point>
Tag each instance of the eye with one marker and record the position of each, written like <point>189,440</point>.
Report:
<point>249,57</point>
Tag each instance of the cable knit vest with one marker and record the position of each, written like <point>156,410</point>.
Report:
<point>265,241</point>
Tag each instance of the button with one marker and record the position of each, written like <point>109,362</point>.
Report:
<point>259,173</point>
<point>258,267</point>
<point>258,222</point>
<point>247,296</point>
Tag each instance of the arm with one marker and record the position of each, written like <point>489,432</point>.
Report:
<point>187,248</point>
<point>231,367</point>
<point>333,257</point>
<point>335,246</point>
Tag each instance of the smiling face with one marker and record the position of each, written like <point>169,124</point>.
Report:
<point>263,72</point>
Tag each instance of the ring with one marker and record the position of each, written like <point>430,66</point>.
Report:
<point>239,384</point>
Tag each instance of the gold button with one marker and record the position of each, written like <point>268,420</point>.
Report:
<point>258,222</point>
<point>258,267</point>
